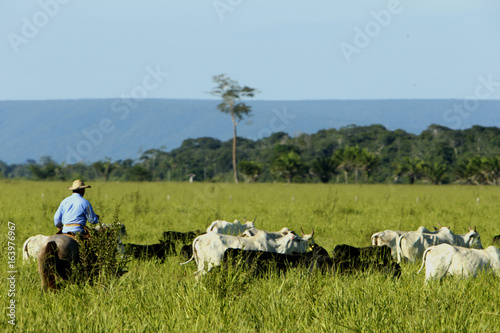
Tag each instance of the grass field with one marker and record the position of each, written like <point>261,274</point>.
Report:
<point>154,297</point>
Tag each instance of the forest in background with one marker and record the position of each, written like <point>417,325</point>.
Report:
<point>351,154</point>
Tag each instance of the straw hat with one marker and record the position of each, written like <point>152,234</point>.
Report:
<point>78,185</point>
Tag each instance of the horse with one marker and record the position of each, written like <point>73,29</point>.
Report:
<point>61,252</point>
<point>58,254</point>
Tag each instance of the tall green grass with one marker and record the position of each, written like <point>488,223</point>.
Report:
<point>165,297</point>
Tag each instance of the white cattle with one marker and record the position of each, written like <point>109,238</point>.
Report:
<point>272,234</point>
<point>412,245</point>
<point>230,228</point>
<point>390,238</point>
<point>210,247</point>
<point>445,259</point>
<point>32,246</point>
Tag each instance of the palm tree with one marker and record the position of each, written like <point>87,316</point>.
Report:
<point>231,93</point>
<point>476,169</point>
<point>491,165</point>
<point>435,172</point>
<point>411,167</point>
<point>367,162</point>
<point>324,167</point>
<point>251,170</point>
<point>289,166</point>
<point>348,160</point>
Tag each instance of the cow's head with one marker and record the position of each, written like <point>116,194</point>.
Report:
<point>293,243</point>
<point>249,224</point>
<point>472,239</point>
<point>309,238</point>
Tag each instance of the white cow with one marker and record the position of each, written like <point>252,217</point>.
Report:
<point>235,228</point>
<point>31,247</point>
<point>445,259</point>
<point>412,245</point>
<point>273,234</point>
<point>210,247</point>
<point>390,238</point>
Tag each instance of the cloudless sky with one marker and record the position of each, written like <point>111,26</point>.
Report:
<point>288,49</point>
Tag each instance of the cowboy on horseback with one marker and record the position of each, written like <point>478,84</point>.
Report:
<point>73,213</point>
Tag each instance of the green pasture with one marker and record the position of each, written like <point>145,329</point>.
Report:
<point>156,297</point>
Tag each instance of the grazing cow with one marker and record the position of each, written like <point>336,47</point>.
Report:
<point>272,234</point>
<point>260,262</point>
<point>390,238</point>
<point>445,259</point>
<point>184,237</point>
<point>32,245</point>
<point>186,251</point>
<point>235,228</point>
<point>496,240</point>
<point>413,244</point>
<point>210,247</point>
<point>387,238</point>
<point>350,259</point>
<point>158,251</point>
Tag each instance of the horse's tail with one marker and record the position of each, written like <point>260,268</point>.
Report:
<point>47,265</point>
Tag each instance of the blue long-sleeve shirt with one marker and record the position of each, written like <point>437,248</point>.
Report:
<point>74,210</point>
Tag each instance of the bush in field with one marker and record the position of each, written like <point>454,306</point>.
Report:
<point>99,255</point>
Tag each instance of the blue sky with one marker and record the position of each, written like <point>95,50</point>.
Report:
<point>300,50</point>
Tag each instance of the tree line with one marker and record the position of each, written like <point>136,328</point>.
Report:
<point>352,154</point>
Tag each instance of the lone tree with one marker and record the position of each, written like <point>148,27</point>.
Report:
<point>232,93</point>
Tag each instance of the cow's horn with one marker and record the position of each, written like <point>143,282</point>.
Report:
<point>254,219</point>
<point>302,231</point>
<point>244,219</point>
<point>312,233</point>
<point>474,229</point>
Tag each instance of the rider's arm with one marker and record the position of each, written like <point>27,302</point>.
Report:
<point>58,217</point>
<point>91,216</point>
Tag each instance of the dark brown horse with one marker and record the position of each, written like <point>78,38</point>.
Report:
<point>57,255</point>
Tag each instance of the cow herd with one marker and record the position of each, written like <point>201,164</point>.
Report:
<point>262,251</point>
<point>441,251</point>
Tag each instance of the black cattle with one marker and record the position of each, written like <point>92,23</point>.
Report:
<point>260,262</point>
<point>186,251</point>
<point>350,259</point>
<point>496,240</point>
<point>184,237</point>
<point>158,251</point>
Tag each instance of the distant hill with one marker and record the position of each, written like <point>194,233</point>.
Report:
<point>91,130</point>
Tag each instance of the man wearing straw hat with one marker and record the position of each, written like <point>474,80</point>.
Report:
<point>74,211</point>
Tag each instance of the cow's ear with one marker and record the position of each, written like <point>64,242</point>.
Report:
<point>435,229</point>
